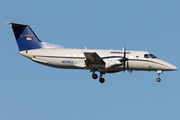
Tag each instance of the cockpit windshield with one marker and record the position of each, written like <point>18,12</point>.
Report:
<point>149,56</point>
<point>153,56</point>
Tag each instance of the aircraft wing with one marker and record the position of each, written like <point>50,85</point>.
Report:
<point>93,58</point>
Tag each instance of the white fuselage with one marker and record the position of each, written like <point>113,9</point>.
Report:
<point>103,61</point>
<point>75,59</point>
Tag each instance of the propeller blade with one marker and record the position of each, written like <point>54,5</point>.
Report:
<point>124,52</point>
<point>127,65</point>
<point>125,59</point>
<point>124,65</point>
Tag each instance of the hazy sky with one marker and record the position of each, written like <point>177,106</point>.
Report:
<point>30,91</point>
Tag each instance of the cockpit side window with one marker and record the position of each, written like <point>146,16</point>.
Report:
<point>146,56</point>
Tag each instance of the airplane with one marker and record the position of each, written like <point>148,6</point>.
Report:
<point>102,61</point>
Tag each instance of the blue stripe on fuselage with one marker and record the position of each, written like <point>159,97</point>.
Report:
<point>83,58</point>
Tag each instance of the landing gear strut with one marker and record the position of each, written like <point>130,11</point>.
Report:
<point>101,79</point>
<point>159,73</point>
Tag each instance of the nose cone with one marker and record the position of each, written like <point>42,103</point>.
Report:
<point>165,66</point>
<point>172,67</point>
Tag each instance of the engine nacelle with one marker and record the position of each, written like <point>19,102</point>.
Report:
<point>112,62</point>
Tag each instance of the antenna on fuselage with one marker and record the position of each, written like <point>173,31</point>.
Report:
<point>74,47</point>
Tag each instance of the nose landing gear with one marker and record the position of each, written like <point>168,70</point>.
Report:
<point>158,79</point>
<point>159,73</point>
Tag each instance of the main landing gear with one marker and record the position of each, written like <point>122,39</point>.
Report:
<point>159,73</point>
<point>95,76</point>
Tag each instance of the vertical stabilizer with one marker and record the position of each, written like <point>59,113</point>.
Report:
<point>25,37</point>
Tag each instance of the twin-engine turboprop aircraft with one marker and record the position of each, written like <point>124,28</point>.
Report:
<point>103,61</point>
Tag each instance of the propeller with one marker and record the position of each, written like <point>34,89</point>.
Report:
<point>124,59</point>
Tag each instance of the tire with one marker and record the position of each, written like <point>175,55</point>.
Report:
<point>101,80</point>
<point>158,80</point>
<point>94,76</point>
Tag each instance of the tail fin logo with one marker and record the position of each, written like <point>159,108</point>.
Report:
<point>26,35</point>
<point>28,38</point>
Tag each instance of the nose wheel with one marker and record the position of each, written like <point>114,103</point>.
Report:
<point>159,73</point>
<point>158,79</point>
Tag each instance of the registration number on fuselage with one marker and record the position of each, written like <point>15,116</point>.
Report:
<point>67,61</point>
